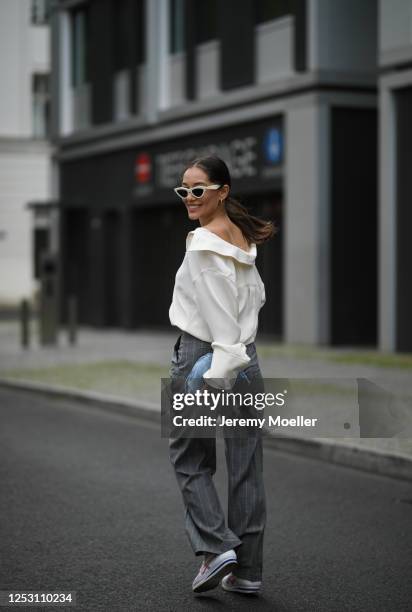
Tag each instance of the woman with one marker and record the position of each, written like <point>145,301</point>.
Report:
<point>217,296</point>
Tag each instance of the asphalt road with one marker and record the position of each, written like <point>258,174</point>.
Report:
<point>89,503</point>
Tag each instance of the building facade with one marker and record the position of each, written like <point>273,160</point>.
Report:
<point>24,149</point>
<point>395,95</point>
<point>284,90</point>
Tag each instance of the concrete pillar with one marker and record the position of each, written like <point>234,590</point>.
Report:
<point>157,53</point>
<point>63,66</point>
<point>306,256</point>
<point>387,219</point>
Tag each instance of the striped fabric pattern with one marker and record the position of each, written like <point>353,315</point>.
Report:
<point>194,462</point>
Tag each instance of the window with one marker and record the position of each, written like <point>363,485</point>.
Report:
<point>123,49</point>
<point>128,30</point>
<point>80,101</point>
<point>40,12</point>
<point>266,10</point>
<point>129,54</point>
<point>206,20</point>
<point>79,47</point>
<point>41,105</point>
<point>141,29</point>
<point>177,38</point>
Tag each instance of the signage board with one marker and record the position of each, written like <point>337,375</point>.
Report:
<point>254,154</point>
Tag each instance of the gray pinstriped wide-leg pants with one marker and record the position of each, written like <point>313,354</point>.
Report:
<point>194,461</point>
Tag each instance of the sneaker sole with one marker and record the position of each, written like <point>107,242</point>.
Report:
<point>242,590</point>
<point>251,589</point>
<point>213,580</point>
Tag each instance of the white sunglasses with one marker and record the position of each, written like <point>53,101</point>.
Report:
<point>197,192</point>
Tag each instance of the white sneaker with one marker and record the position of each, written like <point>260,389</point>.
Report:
<point>240,585</point>
<point>213,570</point>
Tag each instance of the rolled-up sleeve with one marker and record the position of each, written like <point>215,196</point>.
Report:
<point>217,301</point>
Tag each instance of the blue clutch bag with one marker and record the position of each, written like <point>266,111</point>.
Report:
<point>195,377</point>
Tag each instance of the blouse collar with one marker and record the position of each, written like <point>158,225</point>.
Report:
<point>202,239</point>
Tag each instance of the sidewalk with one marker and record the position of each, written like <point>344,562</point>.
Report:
<point>123,369</point>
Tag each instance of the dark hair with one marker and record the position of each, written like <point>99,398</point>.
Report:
<point>254,229</point>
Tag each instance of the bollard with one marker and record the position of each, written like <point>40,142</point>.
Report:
<point>25,323</point>
<point>48,316</point>
<point>72,319</point>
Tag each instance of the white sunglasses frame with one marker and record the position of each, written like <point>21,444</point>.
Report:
<point>190,190</point>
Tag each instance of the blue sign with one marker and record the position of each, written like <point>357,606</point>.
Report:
<point>273,146</point>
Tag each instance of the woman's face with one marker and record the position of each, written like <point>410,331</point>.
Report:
<point>203,208</point>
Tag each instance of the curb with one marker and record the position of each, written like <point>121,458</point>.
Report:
<point>366,459</point>
<point>109,403</point>
<point>370,460</point>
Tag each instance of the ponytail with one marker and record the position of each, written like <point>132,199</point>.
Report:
<point>254,229</point>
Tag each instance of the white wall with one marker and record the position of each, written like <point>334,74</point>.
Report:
<point>14,73</point>
<point>23,51</point>
<point>24,163</point>
<point>39,48</point>
<point>274,49</point>
<point>24,177</point>
<point>176,68</point>
<point>207,71</point>
<point>395,30</point>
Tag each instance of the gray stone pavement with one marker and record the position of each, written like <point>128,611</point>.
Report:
<point>277,361</point>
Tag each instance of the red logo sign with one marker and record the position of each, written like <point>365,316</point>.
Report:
<point>143,168</point>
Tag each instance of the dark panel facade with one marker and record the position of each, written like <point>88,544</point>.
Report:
<point>269,262</point>
<point>101,58</point>
<point>353,229</point>
<point>126,273</point>
<point>157,253</point>
<point>75,258</point>
<point>236,30</point>
<point>300,37</point>
<point>129,41</point>
<point>97,273</point>
<point>92,266</point>
<point>112,265</point>
<point>105,181</point>
<point>190,43</point>
<point>403,99</point>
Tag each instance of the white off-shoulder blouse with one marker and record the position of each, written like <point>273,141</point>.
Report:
<point>217,296</point>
